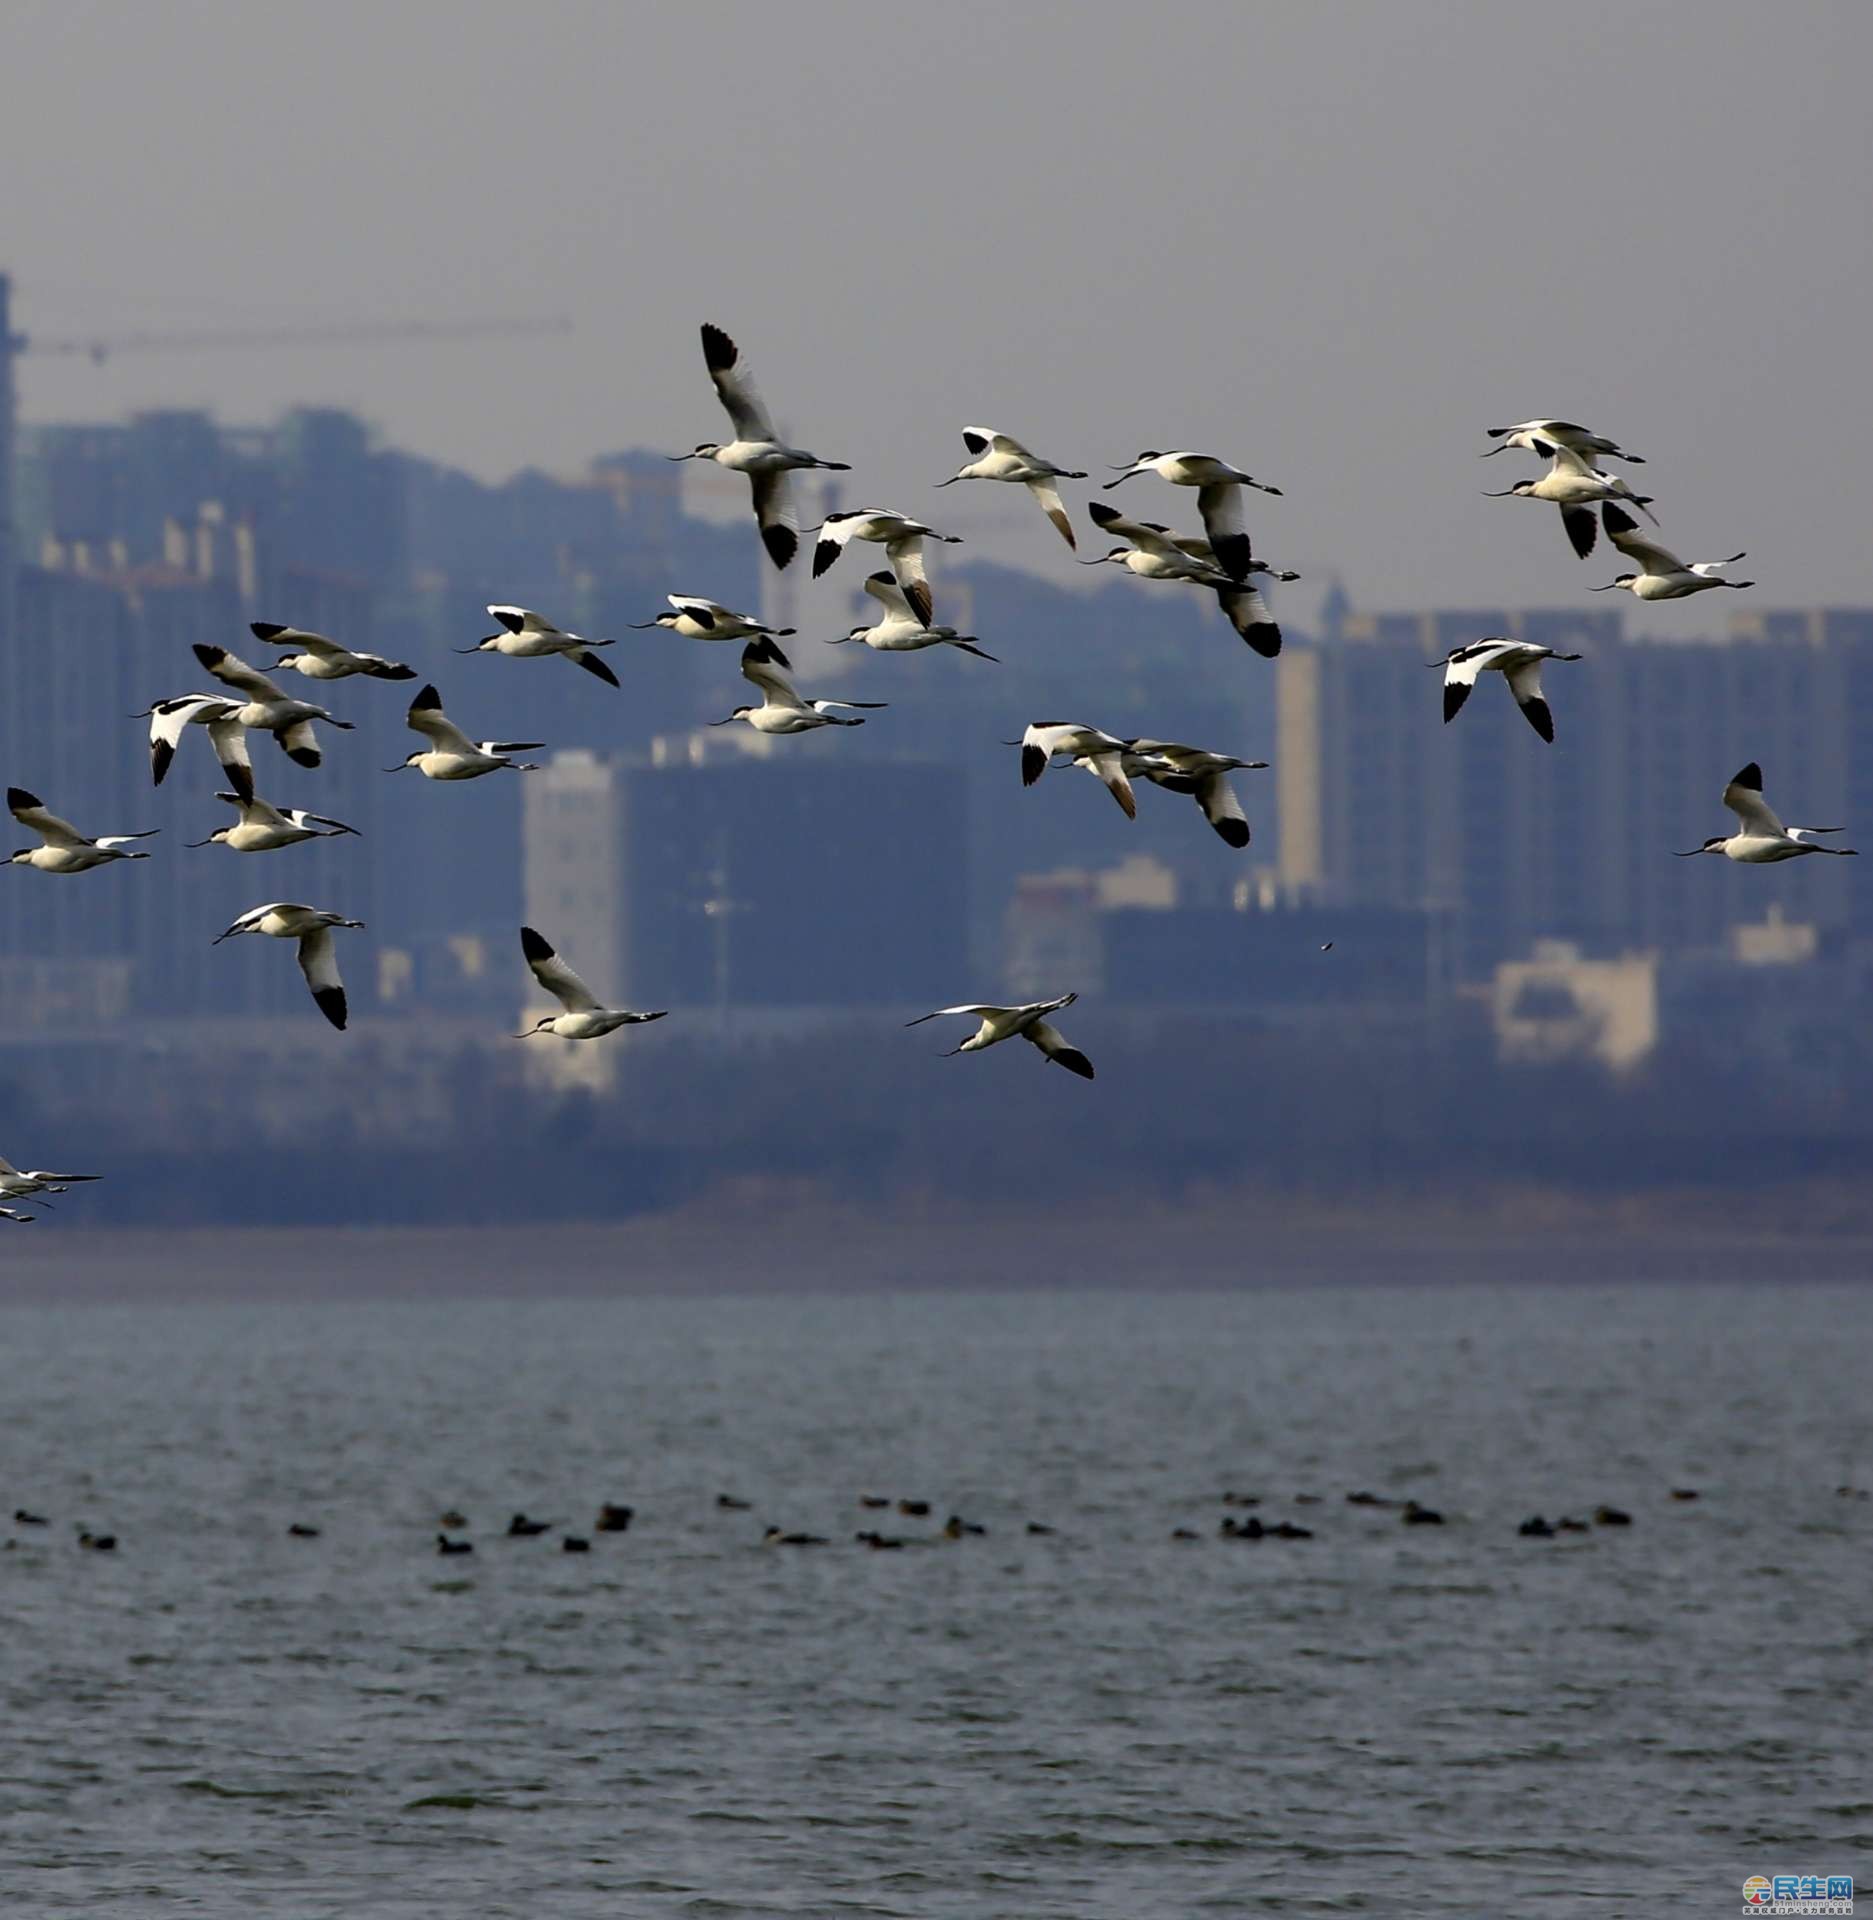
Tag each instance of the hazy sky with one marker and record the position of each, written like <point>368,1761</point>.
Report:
<point>1329,242</point>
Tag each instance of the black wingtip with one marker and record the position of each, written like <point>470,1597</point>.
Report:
<point>1233,554</point>
<point>307,757</point>
<point>1750,777</point>
<point>1540,719</point>
<point>718,350</point>
<point>1616,521</point>
<point>1265,638</point>
<point>782,543</point>
<point>593,664</point>
<point>1455,694</point>
<point>265,629</point>
<point>534,945</point>
<point>332,1004</point>
<point>824,554</point>
<point>427,697</point>
<point>18,797</point>
<point>398,672</point>
<point>1103,513</point>
<point>1582,529</point>
<point>210,657</point>
<point>1075,1062</point>
<point>1234,832</point>
<point>1033,764</point>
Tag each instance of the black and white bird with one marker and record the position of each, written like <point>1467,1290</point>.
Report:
<point>1564,433</point>
<point>453,756</point>
<point>318,959</point>
<point>1000,456</point>
<point>267,708</point>
<point>170,719</point>
<point>1155,552</point>
<point>263,827</point>
<point>1662,575</point>
<point>1101,754</point>
<point>781,709</point>
<point>1219,499</point>
<point>698,619</point>
<point>321,659</point>
<point>1573,484</point>
<point>902,539</point>
<point>66,850</point>
<point>1516,660</point>
<point>1763,839</point>
<point>526,635</point>
<point>755,450</point>
<point>900,631</point>
<point>1201,774</point>
<point>1005,1023</point>
<point>19,1184</point>
<point>584,1018</point>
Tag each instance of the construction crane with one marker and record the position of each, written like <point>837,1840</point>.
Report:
<point>99,348</point>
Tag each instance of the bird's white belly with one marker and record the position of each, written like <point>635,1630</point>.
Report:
<point>754,456</point>
<point>1757,850</point>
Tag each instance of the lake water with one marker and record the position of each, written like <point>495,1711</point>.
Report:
<point>220,1719</point>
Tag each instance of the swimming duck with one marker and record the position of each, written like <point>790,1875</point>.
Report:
<point>613,1518</point>
<point>445,1545</point>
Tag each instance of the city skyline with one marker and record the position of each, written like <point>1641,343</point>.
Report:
<point>1674,254</point>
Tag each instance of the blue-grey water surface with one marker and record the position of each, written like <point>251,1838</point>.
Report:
<point>221,1719</point>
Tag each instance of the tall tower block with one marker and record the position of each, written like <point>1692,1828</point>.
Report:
<point>10,343</point>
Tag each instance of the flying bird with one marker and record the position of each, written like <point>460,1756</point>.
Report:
<point>65,849</point>
<point>318,960</point>
<point>270,709</point>
<point>1029,1022</point>
<point>263,827</point>
<point>1573,485</point>
<point>1763,838</point>
<point>1516,660</point>
<point>170,719</point>
<point>754,450</point>
<point>321,659</point>
<point>18,1185</point>
<point>1101,754</point>
<point>902,539</point>
<point>454,756</point>
<point>1154,552</point>
<point>1563,433</point>
<point>1000,456</point>
<point>781,709</point>
<point>525,635</point>
<point>900,631</point>
<point>1219,499</point>
<point>1662,575</point>
<point>584,1018</point>
<point>698,619</point>
<point>1202,775</point>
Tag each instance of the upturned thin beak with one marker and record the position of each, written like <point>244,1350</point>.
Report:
<point>1503,495</point>
<point>951,481</point>
<point>640,626</point>
<point>1608,588</point>
<point>199,843</point>
<point>679,458</point>
<point>723,723</point>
